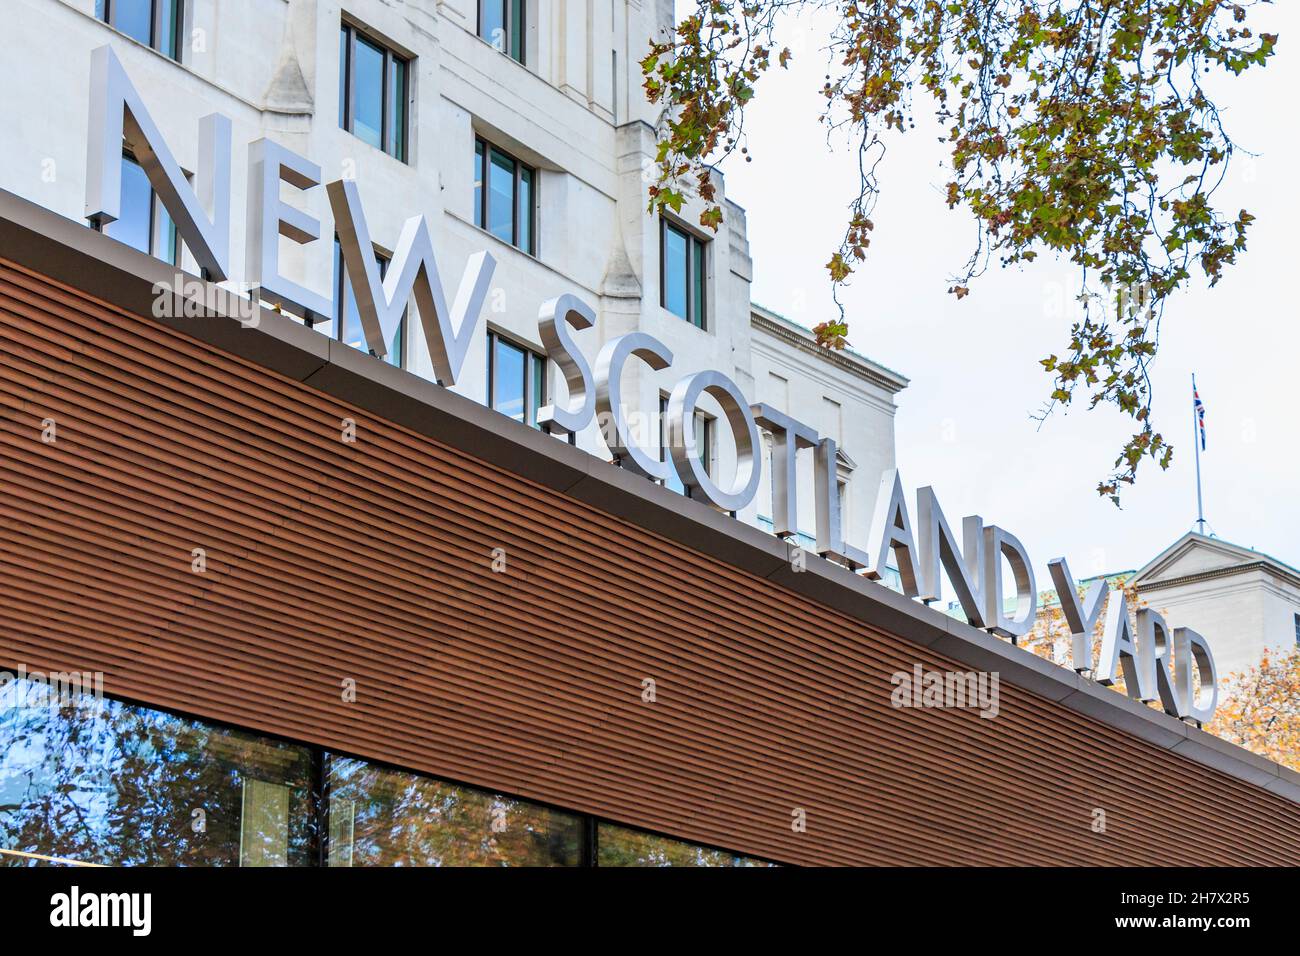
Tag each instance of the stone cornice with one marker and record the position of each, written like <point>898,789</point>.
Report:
<point>1212,573</point>
<point>878,375</point>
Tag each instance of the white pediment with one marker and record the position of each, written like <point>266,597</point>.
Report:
<point>1194,554</point>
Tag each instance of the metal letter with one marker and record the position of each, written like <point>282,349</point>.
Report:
<point>553,321</point>
<point>999,544</point>
<point>682,439</point>
<point>1119,648</point>
<point>269,218</point>
<point>609,398</point>
<point>936,543</point>
<point>788,436</point>
<point>1157,652</point>
<point>830,533</point>
<point>413,271</point>
<point>117,112</point>
<point>1189,646</point>
<point>892,529</point>
<point>1081,618</point>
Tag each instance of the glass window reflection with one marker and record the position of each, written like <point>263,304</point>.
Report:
<point>675,271</point>
<point>143,222</point>
<point>501,23</point>
<point>501,198</point>
<point>84,780</point>
<point>505,203</point>
<point>683,272</point>
<point>368,93</point>
<point>373,92</point>
<point>156,23</point>
<point>516,379</point>
<point>134,225</point>
<point>381,817</point>
<point>620,846</point>
<point>508,374</point>
<point>134,18</point>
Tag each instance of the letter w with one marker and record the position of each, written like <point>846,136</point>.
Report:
<point>447,332</point>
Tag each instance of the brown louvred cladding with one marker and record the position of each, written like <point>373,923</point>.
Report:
<point>372,560</point>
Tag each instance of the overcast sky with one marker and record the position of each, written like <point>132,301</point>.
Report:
<point>964,424</point>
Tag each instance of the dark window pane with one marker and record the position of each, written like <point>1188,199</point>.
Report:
<point>168,242</point>
<point>517,29</point>
<point>133,225</point>
<point>539,388</point>
<point>134,18</point>
<point>508,379</point>
<point>492,24</point>
<point>397,108</point>
<point>343,77</point>
<point>526,209</point>
<point>674,266</point>
<point>380,817</point>
<point>501,197</point>
<point>169,42</point>
<point>698,283</point>
<point>368,93</point>
<point>619,846</point>
<point>478,184</point>
<point>704,441</point>
<point>98,781</point>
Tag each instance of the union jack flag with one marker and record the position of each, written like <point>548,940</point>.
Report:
<point>1199,406</point>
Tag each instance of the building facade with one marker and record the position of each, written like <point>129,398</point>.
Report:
<point>516,126</point>
<point>273,600</point>
<point>1248,600</point>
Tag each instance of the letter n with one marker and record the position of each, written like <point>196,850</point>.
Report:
<point>117,112</point>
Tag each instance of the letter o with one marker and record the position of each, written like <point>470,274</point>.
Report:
<point>681,439</point>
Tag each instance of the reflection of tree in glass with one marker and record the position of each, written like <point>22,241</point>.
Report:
<point>399,819</point>
<point>106,782</point>
<point>619,846</point>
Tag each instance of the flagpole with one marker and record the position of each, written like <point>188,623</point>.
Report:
<point>1196,444</point>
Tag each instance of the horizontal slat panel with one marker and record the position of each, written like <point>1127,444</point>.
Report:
<point>372,561</point>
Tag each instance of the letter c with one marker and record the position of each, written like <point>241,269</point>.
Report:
<point>609,398</point>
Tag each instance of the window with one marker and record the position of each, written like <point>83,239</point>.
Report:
<point>703,441</point>
<point>502,23</point>
<point>373,92</point>
<point>87,780</point>
<point>155,23</point>
<point>380,817</point>
<point>619,846</point>
<point>516,380</point>
<point>682,273</point>
<point>504,196</point>
<point>348,327</point>
<point>144,223</point>
<point>1297,630</point>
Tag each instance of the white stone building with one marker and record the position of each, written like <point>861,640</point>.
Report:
<point>518,126</point>
<point>1245,601</point>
